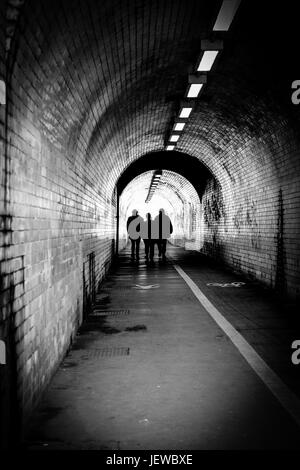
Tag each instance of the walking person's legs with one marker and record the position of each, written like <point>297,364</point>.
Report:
<point>159,247</point>
<point>152,250</point>
<point>147,247</point>
<point>137,248</point>
<point>163,248</point>
<point>157,242</point>
<point>132,248</point>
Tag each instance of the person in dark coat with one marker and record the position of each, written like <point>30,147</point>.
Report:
<point>164,227</point>
<point>134,221</point>
<point>146,234</point>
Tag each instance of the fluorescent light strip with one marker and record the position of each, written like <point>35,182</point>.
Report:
<point>2,92</point>
<point>174,138</point>
<point>226,15</point>
<point>179,126</point>
<point>194,90</point>
<point>170,147</point>
<point>185,112</point>
<point>207,61</point>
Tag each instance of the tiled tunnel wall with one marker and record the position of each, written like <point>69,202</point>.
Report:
<point>5,379</point>
<point>80,109</point>
<point>59,227</point>
<point>188,215</point>
<point>253,223</point>
<point>63,230</point>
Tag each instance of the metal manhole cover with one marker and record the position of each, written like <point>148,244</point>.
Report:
<point>106,352</point>
<point>104,313</point>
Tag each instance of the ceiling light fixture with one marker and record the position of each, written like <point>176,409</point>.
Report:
<point>226,15</point>
<point>185,112</point>
<point>174,137</point>
<point>207,61</point>
<point>194,90</point>
<point>179,126</point>
<point>2,92</point>
<point>208,56</point>
<point>186,108</point>
<point>170,147</point>
<point>196,82</point>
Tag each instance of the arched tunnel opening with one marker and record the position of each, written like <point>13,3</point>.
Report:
<point>96,98</point>
<point>175,196</point>
<point>182,183</point>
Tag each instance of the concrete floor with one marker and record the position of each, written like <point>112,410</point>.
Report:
<point>164,375</point>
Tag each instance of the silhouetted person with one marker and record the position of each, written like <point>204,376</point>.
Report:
<point>162,225</point>
<point>154,239</point>
<point>135,239</point>
<point>146,234</point>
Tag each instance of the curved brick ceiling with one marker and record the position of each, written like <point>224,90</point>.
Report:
<point>181,163</point>
<point>109,76</point>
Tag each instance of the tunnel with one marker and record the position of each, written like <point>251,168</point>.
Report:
<point>109,106</point>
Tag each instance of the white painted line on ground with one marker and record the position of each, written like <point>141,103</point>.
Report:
<point>284,395</point>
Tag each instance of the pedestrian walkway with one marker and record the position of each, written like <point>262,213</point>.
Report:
<point>151,368</point>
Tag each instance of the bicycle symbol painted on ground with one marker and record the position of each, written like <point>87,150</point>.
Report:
<point>226,284</point>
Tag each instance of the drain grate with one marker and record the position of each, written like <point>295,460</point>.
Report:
<point>104,313</point>
<point>106,352</point>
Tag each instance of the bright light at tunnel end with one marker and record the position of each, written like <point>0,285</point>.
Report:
<point>174,194</point>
